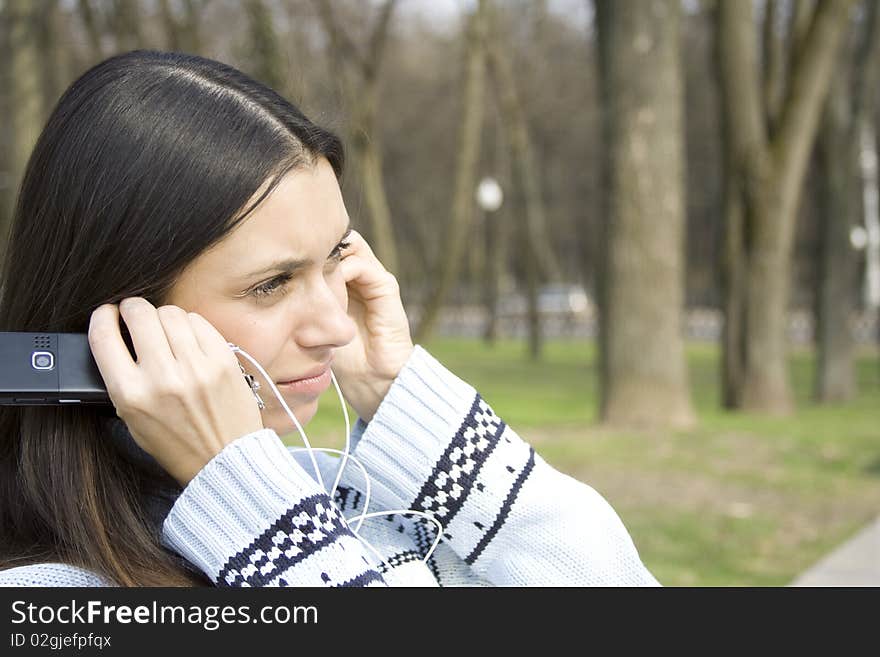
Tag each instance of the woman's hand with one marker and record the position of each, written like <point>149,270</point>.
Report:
<point>368,365</point>
<point>185,398</point>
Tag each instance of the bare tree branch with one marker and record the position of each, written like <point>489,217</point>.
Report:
<point>808,82</point>
<point>172,29</point>
<point>773,63</point>
<point>866,71</point>
<point>378,39</point>
<point>343,48</point>
<point>127,24</point>
<point>191,32</point>
<point>801,17</point>
<point>737,47</point>
<point>93,32</point>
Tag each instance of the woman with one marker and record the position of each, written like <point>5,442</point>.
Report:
<point>200,208</point>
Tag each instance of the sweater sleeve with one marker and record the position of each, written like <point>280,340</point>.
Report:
<point>50,574</point>
<point>436,446</point>
<point>253,517</point>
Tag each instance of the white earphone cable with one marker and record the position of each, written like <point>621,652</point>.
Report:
<point>407,512</point>
<point>346,455</point>
<point>367,491</point>
<point>299,428</point>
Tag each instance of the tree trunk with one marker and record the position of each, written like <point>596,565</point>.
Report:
<point>852,98</point>
<point>646,382</point>
<point>800,17</point>
<point>541,262</point>
<point>764,175</point>
<point>170,25</point>
<point>532,311</point>
<point>192,31</point>
<point>525,165</point>
<point>497,238</point>
<point>26,112</point>
<point>6,193</point>
<point>301,51</point>
<point>836,159</point>
<point>183,34</point>
<point>773,62</point>
<point>368,157</point>
<point>268,65</point>
<point>733,275</point>
<point>465,170</point>
<point>866,99</point>
<point>93,31</point>
<point>52,66</point>
<point>869,148</point>
<point>358,76</point>
<point>127,24</point>
<point>765,385</point>
<point>494,263</point>
<point>603,75</point>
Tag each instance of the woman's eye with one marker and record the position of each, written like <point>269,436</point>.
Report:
<point>273,286</point>
<point>337,252</point>
<point>278,286</point>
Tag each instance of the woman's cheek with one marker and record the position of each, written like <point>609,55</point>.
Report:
<point>262,332</point>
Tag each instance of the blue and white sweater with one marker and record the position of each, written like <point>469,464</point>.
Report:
<point>255,515</point>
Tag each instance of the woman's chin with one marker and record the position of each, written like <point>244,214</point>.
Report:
<point>280,422</point>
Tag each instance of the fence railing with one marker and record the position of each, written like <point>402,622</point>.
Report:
<point>701,324</point>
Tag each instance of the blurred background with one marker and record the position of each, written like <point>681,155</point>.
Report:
<point>646,230</point>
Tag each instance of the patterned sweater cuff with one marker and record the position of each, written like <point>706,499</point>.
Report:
<point>234,499</point>
<point>412,428</point>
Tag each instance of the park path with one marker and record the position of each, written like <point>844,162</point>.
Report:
<point>855,563</point>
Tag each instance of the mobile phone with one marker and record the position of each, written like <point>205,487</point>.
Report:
<point>39,369</point>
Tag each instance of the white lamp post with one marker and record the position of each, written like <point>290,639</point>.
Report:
<point>872,216</point>
<point>489,194</point>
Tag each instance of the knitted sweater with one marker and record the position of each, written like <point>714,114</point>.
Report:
<point>256,516</point>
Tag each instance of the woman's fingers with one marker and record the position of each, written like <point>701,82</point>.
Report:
<point>147,333</point>
<point>212,344</point>
<point>360,247</point>
<point>367,277</point>
<point>109,349</point>
<point>179,333</point>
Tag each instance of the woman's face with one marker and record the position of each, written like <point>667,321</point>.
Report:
<point>273,286</point>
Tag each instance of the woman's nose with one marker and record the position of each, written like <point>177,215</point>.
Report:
<point>328,323</point>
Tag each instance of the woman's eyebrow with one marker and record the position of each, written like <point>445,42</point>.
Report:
<point>292,265</point>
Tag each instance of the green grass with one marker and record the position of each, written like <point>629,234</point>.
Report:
<point>741,499</point>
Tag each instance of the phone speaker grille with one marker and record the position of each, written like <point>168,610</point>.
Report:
<point>42,341</point>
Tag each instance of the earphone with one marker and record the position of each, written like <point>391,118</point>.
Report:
<point>346,455</point>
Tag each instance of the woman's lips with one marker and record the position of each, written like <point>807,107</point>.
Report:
<point>312,385</point>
